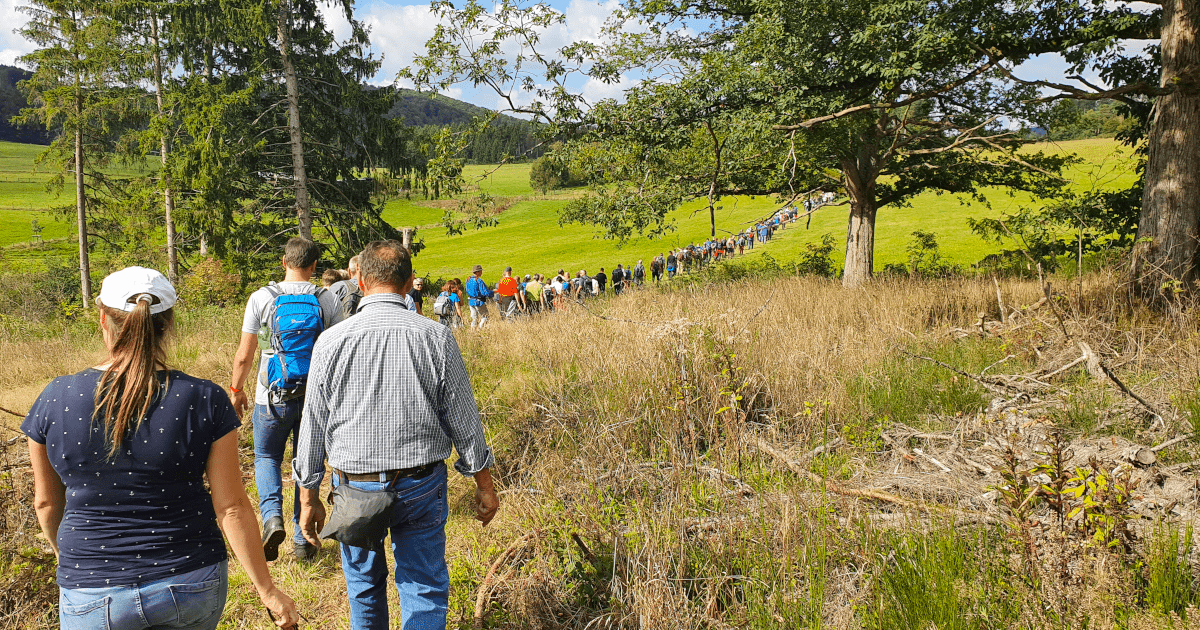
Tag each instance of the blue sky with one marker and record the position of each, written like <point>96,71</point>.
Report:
<point>399,31</point>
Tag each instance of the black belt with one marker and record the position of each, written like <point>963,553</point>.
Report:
<point>388,476</point>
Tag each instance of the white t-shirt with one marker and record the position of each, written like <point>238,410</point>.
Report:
<point>256,311</point>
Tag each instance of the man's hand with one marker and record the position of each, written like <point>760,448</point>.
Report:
<point>312,516</point>
<point>486,501</point>
<point>486,504</point>
<point>240,402</point>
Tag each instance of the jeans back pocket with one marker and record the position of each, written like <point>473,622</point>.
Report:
<point>199,601</point>
<point>92,615</point>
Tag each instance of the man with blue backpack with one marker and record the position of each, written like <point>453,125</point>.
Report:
<point>283,320</point>
<point>478,294</point>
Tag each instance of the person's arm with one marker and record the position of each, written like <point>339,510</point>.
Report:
<point>49,493</point>
<point>239,523</point>
<point>308,468</point>
<point>459,415</point>
<point>241,369</point>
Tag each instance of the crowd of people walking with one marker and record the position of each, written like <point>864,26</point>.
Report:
<point>350,372</point>
<point>518,296</point>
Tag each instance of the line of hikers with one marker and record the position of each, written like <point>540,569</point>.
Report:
<point>515,296</point>
<point>137,473</point>
<point>136,466</point>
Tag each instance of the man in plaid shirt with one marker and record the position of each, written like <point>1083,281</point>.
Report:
<point>388,396</point>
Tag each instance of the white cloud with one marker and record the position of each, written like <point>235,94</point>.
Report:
<point>586,19</point>
<point>595,90</point>
<point>398,33</point>
<point>8,56</point>
<point>12,45</point>
<point>335,19</point>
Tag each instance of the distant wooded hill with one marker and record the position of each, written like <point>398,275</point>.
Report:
<point>506,136</point>
<point>422,110</point>
<point>11,103</point>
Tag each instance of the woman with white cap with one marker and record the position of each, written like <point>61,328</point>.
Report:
<point>119,453</point>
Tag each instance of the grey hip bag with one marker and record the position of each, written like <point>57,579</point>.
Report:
<point>359,518</point>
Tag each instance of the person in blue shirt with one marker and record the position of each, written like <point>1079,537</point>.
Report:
<point>477,297</point>
<point>119,455</point>
<point>454,318</point>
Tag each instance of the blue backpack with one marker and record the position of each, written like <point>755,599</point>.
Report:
<point>295,321</point>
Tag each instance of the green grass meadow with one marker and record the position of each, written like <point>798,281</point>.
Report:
<point>529,238</point>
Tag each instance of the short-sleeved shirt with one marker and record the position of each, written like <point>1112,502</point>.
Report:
<point>534,290</point>
<point>255,320</point>
<point>143,514</point>
<point>507,287</point>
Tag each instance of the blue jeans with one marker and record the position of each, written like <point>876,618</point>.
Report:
<point>419,546</point>
<point>192,601</point>
<point>273,424</point>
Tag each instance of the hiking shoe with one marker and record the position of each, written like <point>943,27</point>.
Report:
<point>273,534</point>
<point>304,551</point>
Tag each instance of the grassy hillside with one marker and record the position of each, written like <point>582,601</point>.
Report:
<point>529,238</point>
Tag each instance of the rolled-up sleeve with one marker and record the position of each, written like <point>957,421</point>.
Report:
<point>459,414</point>
<point>308,467</point>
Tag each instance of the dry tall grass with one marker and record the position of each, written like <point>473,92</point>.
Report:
<point>633,493</point>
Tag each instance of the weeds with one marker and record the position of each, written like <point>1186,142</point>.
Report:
<point>1171,586</point>
<point>621,437</point>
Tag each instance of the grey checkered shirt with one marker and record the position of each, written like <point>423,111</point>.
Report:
<point>387,389</point>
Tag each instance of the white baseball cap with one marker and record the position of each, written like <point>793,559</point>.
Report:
<point>121,288</point>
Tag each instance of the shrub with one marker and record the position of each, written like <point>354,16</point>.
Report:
<point>42,295</point>
<point>209,283</point>
<point>817,259</point>
<point>924,257</point>
<point>548,173</point>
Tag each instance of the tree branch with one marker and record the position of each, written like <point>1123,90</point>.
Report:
<point>920,96</point>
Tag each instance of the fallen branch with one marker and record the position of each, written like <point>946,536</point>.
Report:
<point>824,448</point>
<point>490,582</point>
<point>1172,442</point>
<point>1065,367</point>
<point>985,470</point>
<point>1096,365</point>
<point>831,486</point>
<point>836,488</point>
<point>13,413</point>
<point>931,459</point>
<point>995,387</point>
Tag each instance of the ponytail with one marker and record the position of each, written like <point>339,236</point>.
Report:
<point>129,387</point>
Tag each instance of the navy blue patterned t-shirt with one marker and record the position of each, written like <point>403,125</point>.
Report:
<point>143,514</point>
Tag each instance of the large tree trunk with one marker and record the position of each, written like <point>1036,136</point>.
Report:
<point>860,244</point>
<point>1168,242</point>
<point>85,266</point>
<point>168,194</point>
<point>300,178</point>
<point>860,233</point>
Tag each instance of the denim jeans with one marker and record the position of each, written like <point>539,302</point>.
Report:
<point>418,533</point>
<point>273,424</point>
<point>191,601</point>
